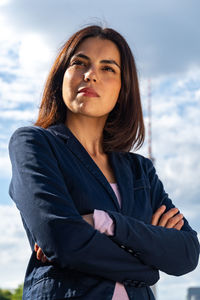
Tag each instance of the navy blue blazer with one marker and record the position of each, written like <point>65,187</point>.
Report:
<point>54,182</point>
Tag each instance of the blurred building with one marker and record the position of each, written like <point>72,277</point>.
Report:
<point>193,293</point>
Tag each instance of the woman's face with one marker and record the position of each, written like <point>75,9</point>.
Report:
<point>92,81</point>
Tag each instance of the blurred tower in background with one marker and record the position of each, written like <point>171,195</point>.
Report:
<point>193,293</point>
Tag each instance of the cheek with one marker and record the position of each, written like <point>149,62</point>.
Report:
<point>114,87</point>
<point>68,84</point>
<point>119,87</point>
<point>67,78</point>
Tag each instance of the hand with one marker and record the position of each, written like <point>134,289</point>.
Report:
<point>89,219</point>
<point>169,219</point>
<point>40,255</point>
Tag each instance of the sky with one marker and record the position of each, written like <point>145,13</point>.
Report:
<point>165,39</point>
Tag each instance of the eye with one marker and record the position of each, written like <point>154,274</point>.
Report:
<point>77,62</point>
<point>108,68</point>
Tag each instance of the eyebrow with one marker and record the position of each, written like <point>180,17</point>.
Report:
<point>104,61</point>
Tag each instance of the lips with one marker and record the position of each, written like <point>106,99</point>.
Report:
<point>89,92</point>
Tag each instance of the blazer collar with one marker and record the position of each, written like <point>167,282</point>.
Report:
<point>60,130</point>
<point>122,172</point>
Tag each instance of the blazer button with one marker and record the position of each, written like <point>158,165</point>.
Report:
<point>130,250</point>
<point>136,254</point>
<point>122,246</point>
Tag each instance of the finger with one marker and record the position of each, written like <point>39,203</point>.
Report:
<point>85,217</point>
<point>89,219</point>
<point>156,216</point>
<point>36,247</point>
<point>39,254</point>
<point>179,225</point>
<point>168,215</point>
<point>174,220</point>
<point>44,258</point>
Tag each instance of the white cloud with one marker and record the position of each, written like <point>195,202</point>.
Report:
<point>4,2</point>
<point>175,133</point>
<point>162,35</point>
<point>14,248</point>
<point>5,165</point>
<point>197,95</point>
<point>34,55</point>
<point>27,115</point>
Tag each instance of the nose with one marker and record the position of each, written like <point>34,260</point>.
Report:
<point>90,75</point>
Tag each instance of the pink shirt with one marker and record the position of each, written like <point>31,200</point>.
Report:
<point>104,224</point>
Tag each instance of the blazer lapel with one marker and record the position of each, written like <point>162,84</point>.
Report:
<point>79,151</point>
<point>124,177</point>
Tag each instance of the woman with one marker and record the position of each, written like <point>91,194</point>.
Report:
<point>96,214</point>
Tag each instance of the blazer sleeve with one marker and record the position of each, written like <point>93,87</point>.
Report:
<point>169,250</point>
<point>45,204</point>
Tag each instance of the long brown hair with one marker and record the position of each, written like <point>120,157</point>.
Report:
<point>124,127</point>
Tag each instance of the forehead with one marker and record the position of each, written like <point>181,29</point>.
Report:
<point>95,47</point>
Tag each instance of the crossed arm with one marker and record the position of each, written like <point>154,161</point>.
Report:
<point>170,219</point>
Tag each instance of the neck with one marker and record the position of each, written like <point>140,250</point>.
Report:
<point>89,132</point>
